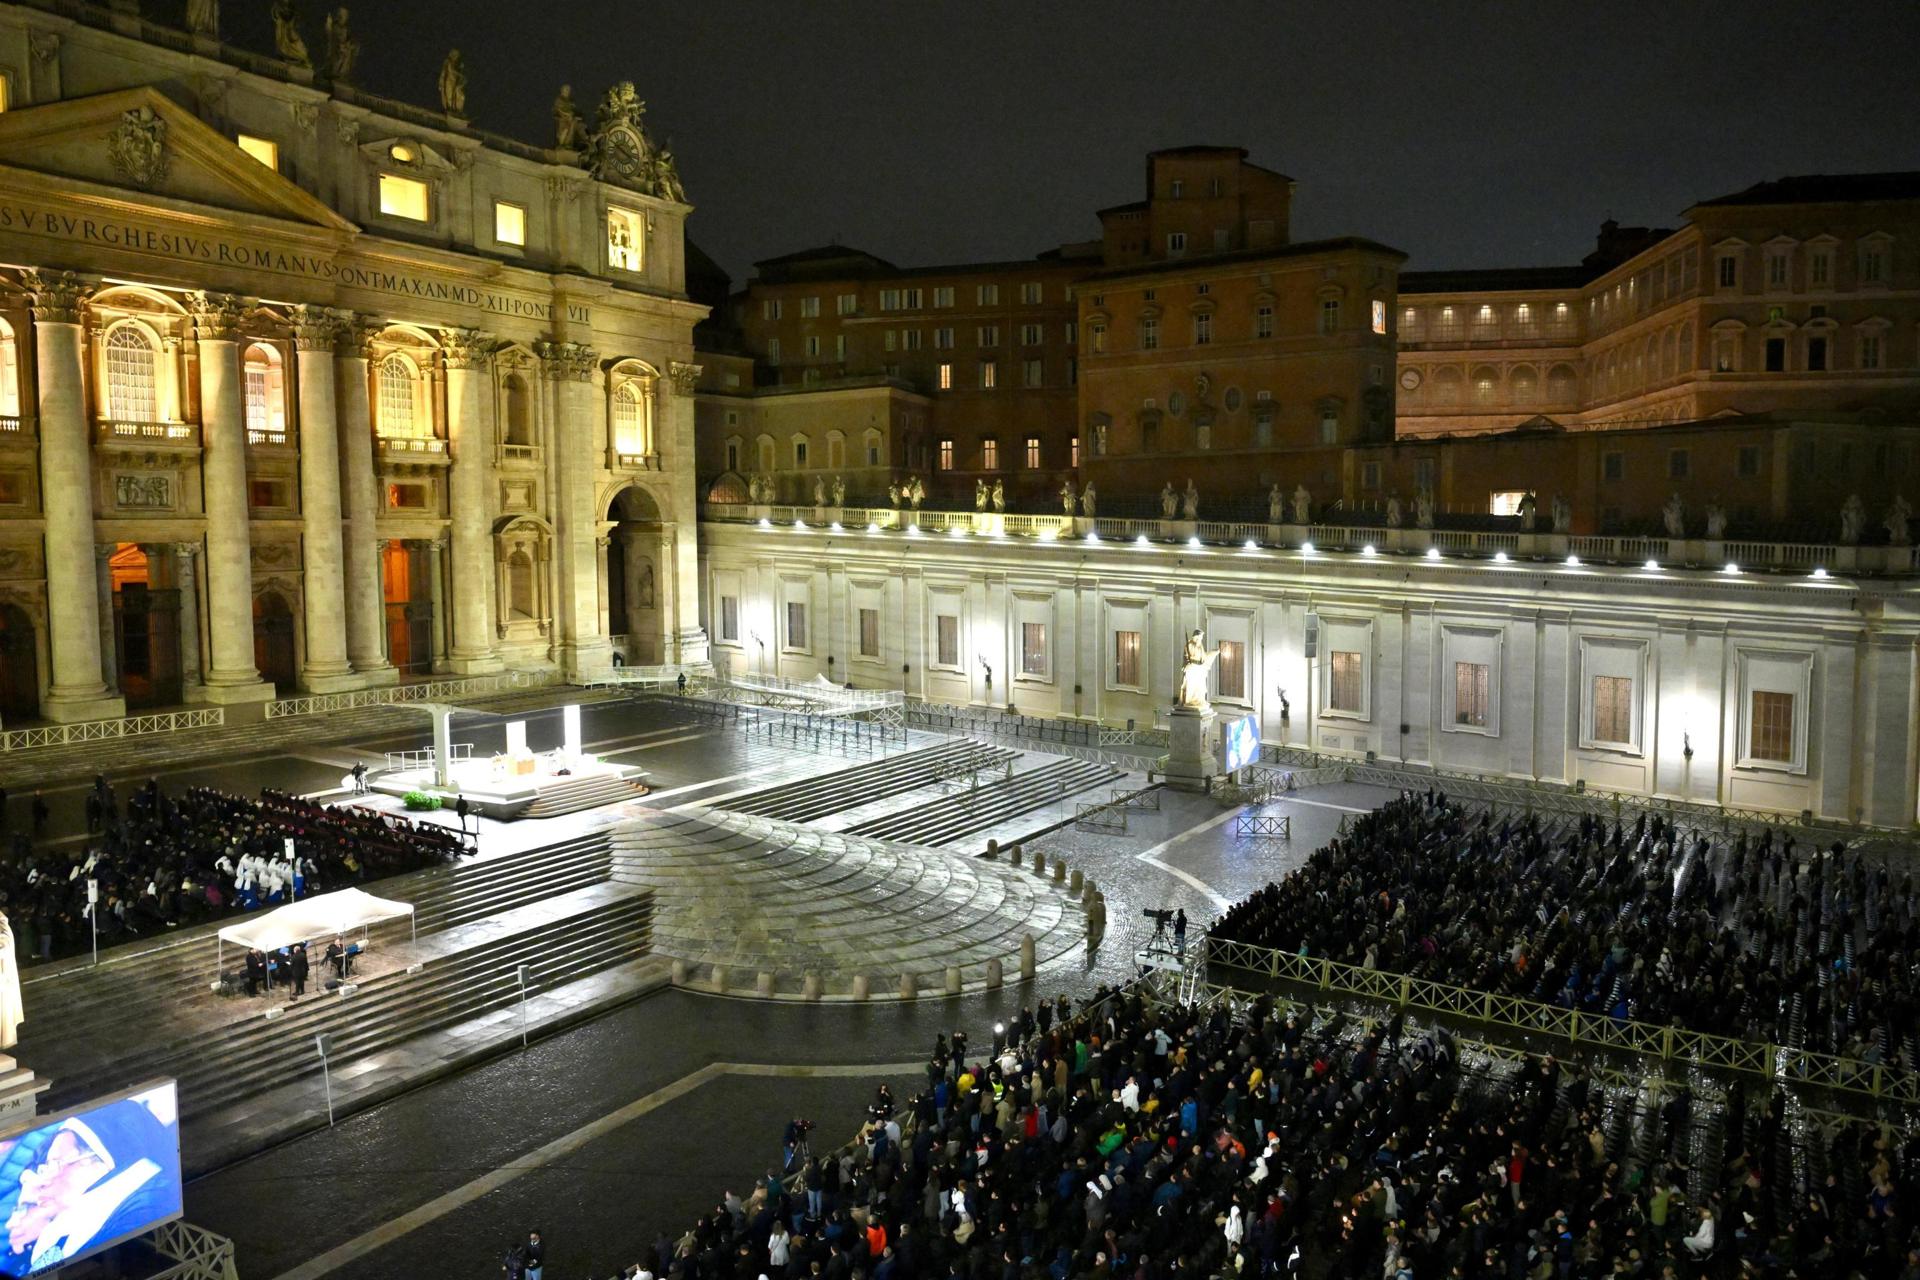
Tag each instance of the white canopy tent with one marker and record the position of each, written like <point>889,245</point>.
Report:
<point>323,916</point>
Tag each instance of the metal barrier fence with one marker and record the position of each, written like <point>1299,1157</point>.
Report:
<point>457,753</point>
<point>814,731</point>
<point>61,735</point>
<point>1263,826</point>
<point>1515,1015</point>
<point>196,1253</point>
<point>426,691</point>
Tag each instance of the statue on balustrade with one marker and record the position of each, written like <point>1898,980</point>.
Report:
<point>569,126</point>
<point>1066,496</point>
<point>1195,663</point>
<point>203,17</point>
<point>286,34</point>
<point>1086,500</point>
<point>1169,501</point>
<point>893,496</point>
<point>453,84</point>
<point>979,495</point>
<point>819,491</point>
<point>342,49</point>
<point>1190,503</point>
<point>1302,504</point>
<point>1393,511</point>
<point>1897,516</point>
<point>999,496</point>
<point>1674,514</point>
<point>1853,520</point>
<point>1527,509</point>
<point>1276,505</point>
<point>1423,509</point>
<point>1562,515</point>
<point>916,492</point>
<point>1716,522</point>
<point>839,492</point>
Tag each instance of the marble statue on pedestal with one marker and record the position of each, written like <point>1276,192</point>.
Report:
<point>1190,503</point>
<point>839,492</point>
<point>569,126</point>
<point>1086,500</point>
<point>1393,511</point>
<point>1302,504</point>
<point>1897,517</point>
<point>1716,522</point>
<point>1674,516</point>
<point>916,492</point>
<point>203,17</point>
<point>1067,498</point>
<point>1853,520</point>
<point>453,84</point>
<point>819,491</point>
<point>342,49</point>
<point>893,496</point>
<point>286,34</point>
<point>1527,508</point>
<point>999,496</point>
<point>1169,501</point>
<point>1423,509</point>
<point>1195,663</point>
<point>1276,504</point>
<point>979,495</point>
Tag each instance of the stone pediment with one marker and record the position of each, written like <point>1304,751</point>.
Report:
<point>142,142</point>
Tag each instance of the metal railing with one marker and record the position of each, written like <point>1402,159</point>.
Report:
<point>400,694</point>
<point>424,758</point>
<point>1263,826</point>
<point>61,735</point>
<point>1520,1016</point>
<point>196,1253</point>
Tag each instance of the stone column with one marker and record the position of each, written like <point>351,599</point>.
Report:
<point>78,689</point>
<point>468,353</point>
<point>360,505</point>
<point>185,554</point>
<point>437,595</point>
<point>679,575</point>
<point>603,584</point>
<point>580,634</point>
<point>636,552</point>
<point>109,651</point>
<point>325,669</point>
<point>231,675</point>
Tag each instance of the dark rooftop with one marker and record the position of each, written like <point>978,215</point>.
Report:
<point>1299,250</point>
<point>1493,279</point>
<point>1825,188</point>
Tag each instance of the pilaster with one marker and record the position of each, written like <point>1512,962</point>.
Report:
<point>365,602</point>
<point>582,641</point>
<point>326,668</point>
<point>469,355</point>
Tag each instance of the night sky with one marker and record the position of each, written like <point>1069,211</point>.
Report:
<point>927,131</point>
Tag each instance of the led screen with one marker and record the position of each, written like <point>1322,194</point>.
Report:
<point>1242,742</point>
<point>74,1184</point>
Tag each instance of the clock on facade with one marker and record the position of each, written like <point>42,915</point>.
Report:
<point>1410,378</point>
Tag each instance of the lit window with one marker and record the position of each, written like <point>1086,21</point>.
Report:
<point>869,633</point>
<point>399,414</point>
<point>1379,316</point>
<point>989,374</point>
<point>1030,455</point>
<point>1202,330</point>
<point>729,617</point>
<point>990,455</point>
<point>1126,658</point>
<point>263,396</point>
<point>626,239</point>
<point>403,197</point>
<point>509,223</point>
<point>1344,691</point>
<point>1470,694</point>
<point>1230,671</point>
<point>9,372</point>
<point>1033,648</point>
<point>1770,728</point>
<point>1073,452</point>
<point>945,455</point>
<point>946,377</point>
<point>796,625</point>
<point>265,150</point>
<point>1613,709</point>
<point>630,405</point>
<point>131,396</point>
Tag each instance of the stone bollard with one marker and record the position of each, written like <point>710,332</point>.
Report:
<point>1076,882</point>
<point>993,851</point>
<point>719,977</point>
<point>907,990</point>
<point>953,979</point>
<point>764,984</point>
<point>1014,857</point>
<point>1096,918</point>
<point>1026,956</point>
<point>996,974</point>
<point>679,973</point>
<point>1039,862</point>
<point>1060,872</point>
<point>1088,891</point>
<point>862,987</point>
<point>812,987</point>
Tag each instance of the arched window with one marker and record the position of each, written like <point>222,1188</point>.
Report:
<point>265,395</point>
<point>1486,384</point>
<point>519,411</point>
<point>630,425</point>
<point>9,373</point>
<point>1525,384</point>
<point>520,585</point>
<point>1446,386</point>
<point>399,399</point>
<point>130,375</point>
<point>1560,384</point>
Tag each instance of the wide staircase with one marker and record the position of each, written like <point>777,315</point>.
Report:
<point>963,813</point>
<point>809,799</point>
<point>220,1066</point>
<point>754,895</point>
<point>575,794</point>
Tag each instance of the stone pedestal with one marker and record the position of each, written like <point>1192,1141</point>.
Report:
<point>1191,748</point>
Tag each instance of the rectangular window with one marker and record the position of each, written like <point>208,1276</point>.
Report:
<point>1749,460</point>
<point>1470,694</point>
<point>405,496</point>
<point>869,633</point>
<point>990,454</point>
<point>1776,355</point>
<point>1031,335</point>
<point>946,376</point>
<point>943,295</point>
<point>403,197</point>
<point>846,304</point>
<point>796,625</point>
<point>1176,243</point>
<point>1816,355</point>
<point>813,344</point>
<point>509,223</point>
<point>1073,451</point>
<point>1126,658</point>
<point>986,295</point>
<point>890,339</point>
<point>770,308</point>
<point>1149,334</point>
<point>810,307</point>
<point>1230,670</point>
<point>945,455</point>
<point>1729,268</point>
<point>1033,648</point>
<point>1679,464</point>
<point>1097,338</point>
<point>1330,316</point>
<point>1073,371</point>
<point>800,455</point>
<point>1770,727</point>
<point>265,150</point>
<point>1030,292</point>
<point>1202,330</point>
<point>987,335</point>
<point>989,374</point>
<point>1870,351</point>
<point>839,346</point>
<point>773,351</point>
<point>1873,264</point>
<point>943,339</point>
<point>911,298</point>
<point>1030,453</point>
<point>1777,271</point>
<point>1329,426</point>
<point>729,617</point>
<point>1820,268</point>
<point>1263,322</point>
<point>889,299</point>
<point>909,339</point>
<point>1344,691</point>
<point>946,630</point>
<point>1380,316</point>
<point>1613,465</point>
<point>1067,333</point>
<point>1613,709</point>
<point>1033,373</point>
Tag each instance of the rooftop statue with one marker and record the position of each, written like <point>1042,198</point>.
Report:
<point>453,85</point>
<point>569,126</point>
<point>286,34</point>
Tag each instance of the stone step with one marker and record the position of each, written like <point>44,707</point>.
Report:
<point>810,799</point>
<point>577,794</point>
<point>953,817</point>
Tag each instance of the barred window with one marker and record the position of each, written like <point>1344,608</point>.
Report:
<point>1033,648</point>
<point>946,632</point>
<point>796,625</point>
<point>1613,708</point>
<point>1230,670</point>
<point>869,633</point>
<point>130,375</point>
<point>1344,692</point>
<point>1126,658</point>
<point>1470,694</point>
<point>1770,727</point>
<point>729,617</point>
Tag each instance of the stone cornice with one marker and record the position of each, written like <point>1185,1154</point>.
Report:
<point>59,297</point>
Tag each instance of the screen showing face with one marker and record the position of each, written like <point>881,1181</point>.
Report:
<point>1242,742</point>
<point>77,1184</point>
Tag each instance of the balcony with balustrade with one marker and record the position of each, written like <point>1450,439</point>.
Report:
<point>17,432</point>
<point>119,436</point>
<point>410,454</point>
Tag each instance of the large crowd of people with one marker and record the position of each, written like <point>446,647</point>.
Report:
<point>1763,937</point>
<point>162,860</point>
<point>1152,1142</point>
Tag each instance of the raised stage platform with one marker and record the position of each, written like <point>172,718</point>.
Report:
<point>542,784</point>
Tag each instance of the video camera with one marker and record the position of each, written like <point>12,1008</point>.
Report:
<point>1161,919</point>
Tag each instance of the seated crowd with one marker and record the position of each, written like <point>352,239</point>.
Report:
<point>164,860</point>
<point>1143,1142</point>
<point>1765,939</point>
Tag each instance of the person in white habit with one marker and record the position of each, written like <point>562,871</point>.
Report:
<point>12,1011</point>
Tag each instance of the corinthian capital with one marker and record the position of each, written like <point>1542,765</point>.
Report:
<point>216,316</point>
<point>354,333</point>
<point>58,296</point>
<point>466,348</point>
<point>685,377</point>
<point>314,328</point>
<point>567,361</point>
